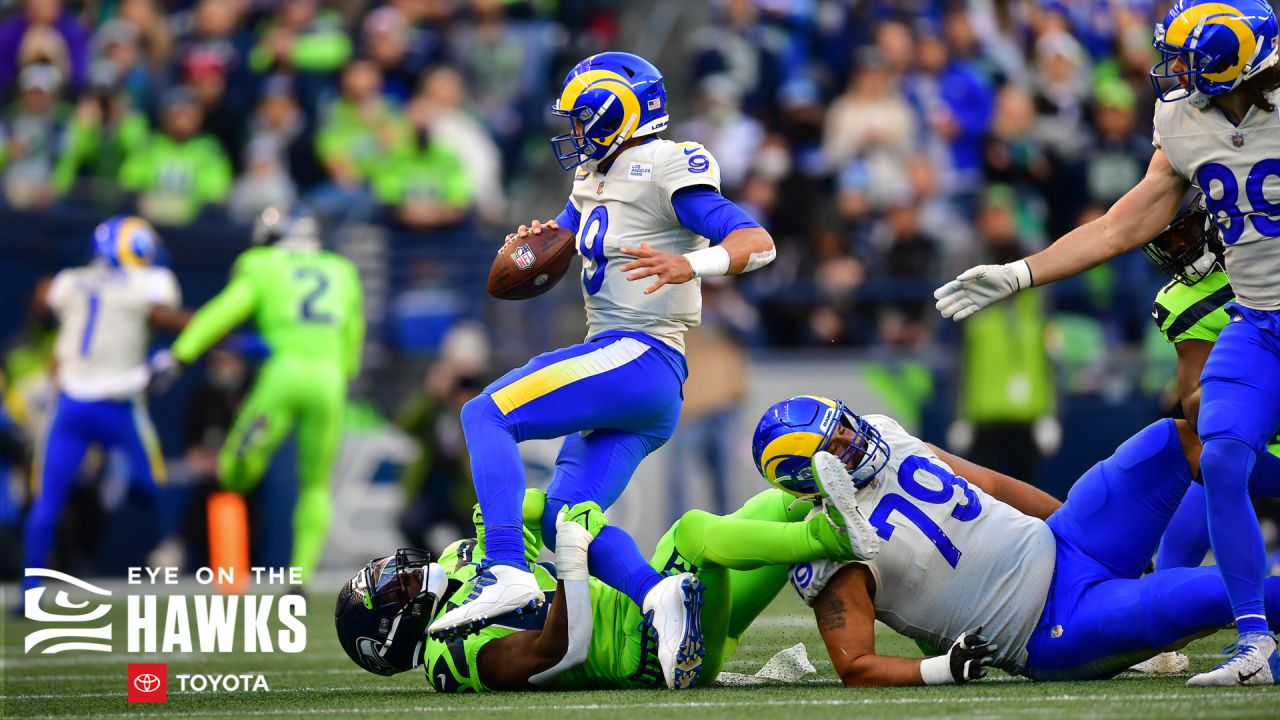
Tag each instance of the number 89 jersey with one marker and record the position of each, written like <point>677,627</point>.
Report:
<point>953,557</point>
<point>629,205</point>
<point>1238,169</point>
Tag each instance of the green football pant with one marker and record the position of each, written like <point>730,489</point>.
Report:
<point>307,397</point>
<point>742,560</point>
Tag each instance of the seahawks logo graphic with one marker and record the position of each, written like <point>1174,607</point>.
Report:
<point>85,633</point>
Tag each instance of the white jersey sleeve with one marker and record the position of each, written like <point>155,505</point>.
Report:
<point>953,557</point>
<point>685,165</point>
<point>1237,166</point>
<point>161,287</point>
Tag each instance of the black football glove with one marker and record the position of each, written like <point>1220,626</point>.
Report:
<point>971,655</point>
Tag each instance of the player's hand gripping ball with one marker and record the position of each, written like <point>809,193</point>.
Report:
<point>531,261</point>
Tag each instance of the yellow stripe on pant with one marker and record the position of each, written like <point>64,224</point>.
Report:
<point>555,376</point>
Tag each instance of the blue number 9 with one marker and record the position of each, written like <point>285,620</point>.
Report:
<point>1266,217</point>
<point>591,247</point>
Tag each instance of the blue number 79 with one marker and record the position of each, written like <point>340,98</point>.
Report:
<point>964,512</point>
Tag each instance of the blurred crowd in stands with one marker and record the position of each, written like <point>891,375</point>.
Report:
<point>886,145</point>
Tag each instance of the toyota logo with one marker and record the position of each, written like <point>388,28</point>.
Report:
<point>146,683</point>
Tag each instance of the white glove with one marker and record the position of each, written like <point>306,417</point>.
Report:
<point>572,543</point>
<point>981,286</point>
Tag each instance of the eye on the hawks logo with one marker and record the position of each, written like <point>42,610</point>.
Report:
<point>148,683</point>
<point>523,257</point>
<point>88,630</point>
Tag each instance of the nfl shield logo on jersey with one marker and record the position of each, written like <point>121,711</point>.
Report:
<point>523,257</point>
<point>1237,139</point>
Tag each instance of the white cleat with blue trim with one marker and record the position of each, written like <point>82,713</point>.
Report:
<point>499,589</point>
<point>1254,661</point>
<point>674,608</point>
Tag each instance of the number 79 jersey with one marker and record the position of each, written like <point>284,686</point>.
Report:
<point>1238,169</point>
<point>629,205</point>
<point>953,557</point>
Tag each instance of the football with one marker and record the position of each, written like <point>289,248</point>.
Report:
<point>529,266</point>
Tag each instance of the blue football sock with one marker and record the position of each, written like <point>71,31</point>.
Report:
<point>1233,528</point>
<point>498,474</point>
<point>615,559</point>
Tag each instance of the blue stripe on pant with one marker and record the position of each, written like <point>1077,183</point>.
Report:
<point>112,424</point>
<point>1101,616</point>
<point>615,399</point>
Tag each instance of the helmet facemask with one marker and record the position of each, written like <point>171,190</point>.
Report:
<point>1189,249</point>
<point>383,612</point>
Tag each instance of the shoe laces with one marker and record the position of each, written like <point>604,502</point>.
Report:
<point>484,579</point>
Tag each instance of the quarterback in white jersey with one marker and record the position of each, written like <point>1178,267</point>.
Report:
<point>1216,127</point>
<point>649,221</point>
<point>105,311</point>
<point>990,567</point>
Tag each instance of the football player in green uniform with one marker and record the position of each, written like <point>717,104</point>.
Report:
<point>307,305</point>
<point>1190,312</point>
<point>742,559</point>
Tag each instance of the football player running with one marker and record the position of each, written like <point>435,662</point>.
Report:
<point>1215,127</point>
<point>649,222</point>
<point>307,304</point>
<point>967,562</point>
<point>1191,312</point>
<point>105,311</point>
<point>742,560</point>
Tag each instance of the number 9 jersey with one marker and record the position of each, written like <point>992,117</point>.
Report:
<point>1238,169</point>
<point>950,553</point>
<point>629,205</point>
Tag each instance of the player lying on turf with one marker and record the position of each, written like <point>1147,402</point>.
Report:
<point>1062,598</point>
<point>741,559</point>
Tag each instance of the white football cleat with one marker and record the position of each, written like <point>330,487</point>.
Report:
<point>1166,663</point>
<point>499,589</point>
<point>674,608</point>
<point>837,488</point>
<point>1253,662</point>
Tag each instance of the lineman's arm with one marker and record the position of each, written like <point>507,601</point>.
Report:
<point>1024,498</point>
<point>846,620</point>
<point>168,318</point>
<point>1192,355</point>
<point>219,316</point>
<point>1131,222</point>
<point>508,662</point>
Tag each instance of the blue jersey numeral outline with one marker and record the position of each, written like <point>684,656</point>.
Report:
<point>1222,201</point>
<point>591,247</point>
<point>964,511</point>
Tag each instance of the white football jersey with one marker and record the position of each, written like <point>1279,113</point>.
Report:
<point>1238,169</point>
<point>953,557</point>
<point>628,205</point>
<point>103,327</point>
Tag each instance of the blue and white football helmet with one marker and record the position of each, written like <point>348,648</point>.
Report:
<point>1221,43</point>
<point>793,431</point>
<point>609,98</point>
<point>125,241</point>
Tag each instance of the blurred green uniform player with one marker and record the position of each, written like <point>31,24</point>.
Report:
<point>307,305</point>
<point>742,559</point>
<point>1196,312</point>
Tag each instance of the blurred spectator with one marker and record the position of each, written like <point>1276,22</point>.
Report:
<point>301,36</point>
<point>1006,408</point>
<point>155,37</point>
<point>438,484</point>
<point>30,136</point>
<point>178,171</point>
<point>264,183</point>
<point>424,183</point>
<point>388,40</point>
<point>116,44</point>
<point>360,131</point>
<point>48,14</point>
<point>443,98</point>
<point>732,137</point>
<point>746,51</point>
<point>1118,157</point>
<point>1014,154</point>
<point>869,136</point>
<point>105,128</point>
<point>718,365</point>
<point>278,118</point>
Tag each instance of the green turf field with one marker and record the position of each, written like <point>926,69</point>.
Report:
<point>322,682</point>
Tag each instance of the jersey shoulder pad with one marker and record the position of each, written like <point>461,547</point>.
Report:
<point>1194,312</point>
<point>685,164</point>
<point>811,578</point>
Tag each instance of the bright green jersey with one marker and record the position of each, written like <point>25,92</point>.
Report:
<point>305,302</point>
<point>1193,312</point>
